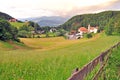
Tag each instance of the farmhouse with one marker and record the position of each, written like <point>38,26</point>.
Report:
<point>53,30</point>
<point>73,32</point>
<point>82,30</point>
<point>13,20</point>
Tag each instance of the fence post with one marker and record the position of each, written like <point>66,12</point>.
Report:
<point>101,65</point>
<point>104,76</point>
<point>101,61</point>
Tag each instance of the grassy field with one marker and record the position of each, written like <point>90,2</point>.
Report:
<point>17,24</point>
<point>50,58</point>
<point>112,70</point>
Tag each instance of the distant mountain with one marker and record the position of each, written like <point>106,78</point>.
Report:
<point>5,16</point>
<point>98,19</point>
<point>48,21</point>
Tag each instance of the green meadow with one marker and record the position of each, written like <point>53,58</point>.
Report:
<point>49,58</point>
<point>112,69</point>
<point>17,24</point>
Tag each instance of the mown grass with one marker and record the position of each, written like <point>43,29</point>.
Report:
<point>51,58</point>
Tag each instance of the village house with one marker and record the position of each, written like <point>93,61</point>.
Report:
<point>71,35</point>
<point>73,32</point>
<point>13,20</point>
<point>53,30</point>
<point>82,30</point>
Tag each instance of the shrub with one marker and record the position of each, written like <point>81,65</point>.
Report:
<point>7,32</point>
<point>89,35</point>
<point>38,36</point>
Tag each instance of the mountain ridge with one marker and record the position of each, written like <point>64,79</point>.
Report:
<point>48,20</point>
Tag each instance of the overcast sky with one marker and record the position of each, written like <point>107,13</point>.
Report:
<point>37,8</point>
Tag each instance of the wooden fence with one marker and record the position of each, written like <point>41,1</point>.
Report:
<point>101,59</point>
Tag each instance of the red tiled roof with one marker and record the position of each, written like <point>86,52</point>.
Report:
<point>83,29</point>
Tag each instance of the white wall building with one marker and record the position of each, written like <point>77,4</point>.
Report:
<point>92,29</point>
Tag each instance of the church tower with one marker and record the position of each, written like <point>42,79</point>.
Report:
<point>89,28</point>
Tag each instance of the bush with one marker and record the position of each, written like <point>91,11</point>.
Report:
<point>89,35</point>
<point>23,34</point>
<point>58,34</point>
<point>47,35</point>
<point>38,36</point>
<point>7,32</point>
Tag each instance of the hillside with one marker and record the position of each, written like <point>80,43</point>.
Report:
<point>17,24</point>
<point>5,16</point>
<point>98,19</point>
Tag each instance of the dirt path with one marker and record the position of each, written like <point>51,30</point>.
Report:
<point>15,46</point>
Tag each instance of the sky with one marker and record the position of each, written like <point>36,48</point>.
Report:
<point>64,8</point>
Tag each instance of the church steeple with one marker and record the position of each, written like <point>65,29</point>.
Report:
<point>89,28</point>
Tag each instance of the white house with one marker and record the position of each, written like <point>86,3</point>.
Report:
<point>53,30</point>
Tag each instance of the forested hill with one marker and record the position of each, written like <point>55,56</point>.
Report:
<point>5,16</point>
<point>98,19</point>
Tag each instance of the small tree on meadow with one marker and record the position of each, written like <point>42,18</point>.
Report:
<point>89,35</point>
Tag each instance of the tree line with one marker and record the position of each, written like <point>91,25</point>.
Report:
<point>28,30</point>
<point>9,32</point>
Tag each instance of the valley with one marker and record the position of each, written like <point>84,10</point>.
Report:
<point>48,59</point>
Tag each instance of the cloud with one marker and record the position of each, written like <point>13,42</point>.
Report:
<point>112,5</point>
<point>115,4</point>
<point>37,8</point>
<point>25,13</point>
